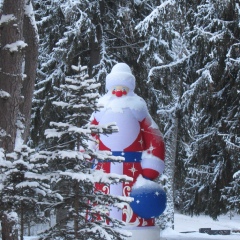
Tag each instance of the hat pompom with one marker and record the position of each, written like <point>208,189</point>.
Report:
<point>121,75</point>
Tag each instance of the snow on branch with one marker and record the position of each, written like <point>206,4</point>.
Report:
<point>29,12</point>
<point>16,46</point>
<point>144,25</point>
<point>27,184</point>
<point>231,49</point>
<point>6,19</point>
<point>170,65</point>
<point>75,129</point>
<point>236,175</point>
<point>52,133</point>
<point>106,155</point>
<point>205,74</point>
<point>4,95</point>
<point>97,176</point>
<point>69,154</point>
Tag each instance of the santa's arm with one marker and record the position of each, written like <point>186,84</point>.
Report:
<point>97,144</point>
<point>93,143</point>
<point>154,154</point>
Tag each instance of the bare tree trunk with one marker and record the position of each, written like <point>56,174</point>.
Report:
<point>11,75</point>
<point>21,220</point>
<point>9,232</point>
<point>167,219</point>
<point>95,42</point>
<point>76,208</point>
<point>11,52</point>
<point>31,54</point>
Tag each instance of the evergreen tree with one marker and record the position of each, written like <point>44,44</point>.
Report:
<point>101,32</point>
<point>82,213</point>
<point>165,56</point>
<point>211,106</point>
<point>185,56</point>
<point>24,188</point>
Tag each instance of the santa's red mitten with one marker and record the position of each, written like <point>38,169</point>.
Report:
<point>150,173</point>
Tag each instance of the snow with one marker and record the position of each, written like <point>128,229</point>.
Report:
<point>30,13</point>
<point>14,47</point>
<point>98,176</point>
<point>189,224</point>
<point>236,174</point>
<point>142,26</point>
<point>4,95</point>
<point>6,18</point>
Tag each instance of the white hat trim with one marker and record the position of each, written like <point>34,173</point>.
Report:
<point>120,79</point>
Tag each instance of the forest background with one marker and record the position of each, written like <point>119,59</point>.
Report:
<point>185,56</point>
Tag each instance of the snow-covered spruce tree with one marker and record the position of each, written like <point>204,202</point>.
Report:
<point>67,30</point>
<point>24,188</point>
<point>101,32</point>
<point>83,212</point>
<point>165,56</point>
<point>231,193</point>
<point>211,105</point>
<point>50,72</point>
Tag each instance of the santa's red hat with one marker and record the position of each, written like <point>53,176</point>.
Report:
<point>121,75</point>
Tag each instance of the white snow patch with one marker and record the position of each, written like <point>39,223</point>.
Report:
<point>14,47</point>
<point>190,224</point>
<point>236,175</point>
<point>6,18</point>
<point>4,95</point>
<point>30,13</point>
<point>185,223</point>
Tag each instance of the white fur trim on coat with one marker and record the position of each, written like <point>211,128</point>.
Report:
<point>154,163</point>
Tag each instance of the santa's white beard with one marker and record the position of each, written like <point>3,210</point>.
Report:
<point>126,112</point>
<point>117,104</point>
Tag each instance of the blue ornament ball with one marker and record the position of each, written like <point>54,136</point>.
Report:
<point>149,198</point>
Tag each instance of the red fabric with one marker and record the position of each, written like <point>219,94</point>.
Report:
<point>150,173</point>
<point>153,139</point>
<point>149,139</point>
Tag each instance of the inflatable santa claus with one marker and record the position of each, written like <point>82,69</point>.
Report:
<point>138,140</point>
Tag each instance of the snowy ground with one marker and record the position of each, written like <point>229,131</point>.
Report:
<point>187,224</point>
<point>192,224</point>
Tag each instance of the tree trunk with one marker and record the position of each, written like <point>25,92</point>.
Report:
<point>11,71</point>
<point>9,232</point>
<point>31,54</point>
<point>95,42</point>
<point>21,220</point>
<point>76,208</point>
<point>11,64</point>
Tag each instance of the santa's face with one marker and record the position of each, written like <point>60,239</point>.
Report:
<point>119,91</point>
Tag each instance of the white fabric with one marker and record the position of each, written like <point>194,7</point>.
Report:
<point>128,129</point>
<point>154,163</point>
<point>116,189</point>
<point>121,75</point>
<point>131,101</point>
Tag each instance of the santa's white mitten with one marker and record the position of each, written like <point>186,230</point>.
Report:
<point>152,166</point>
